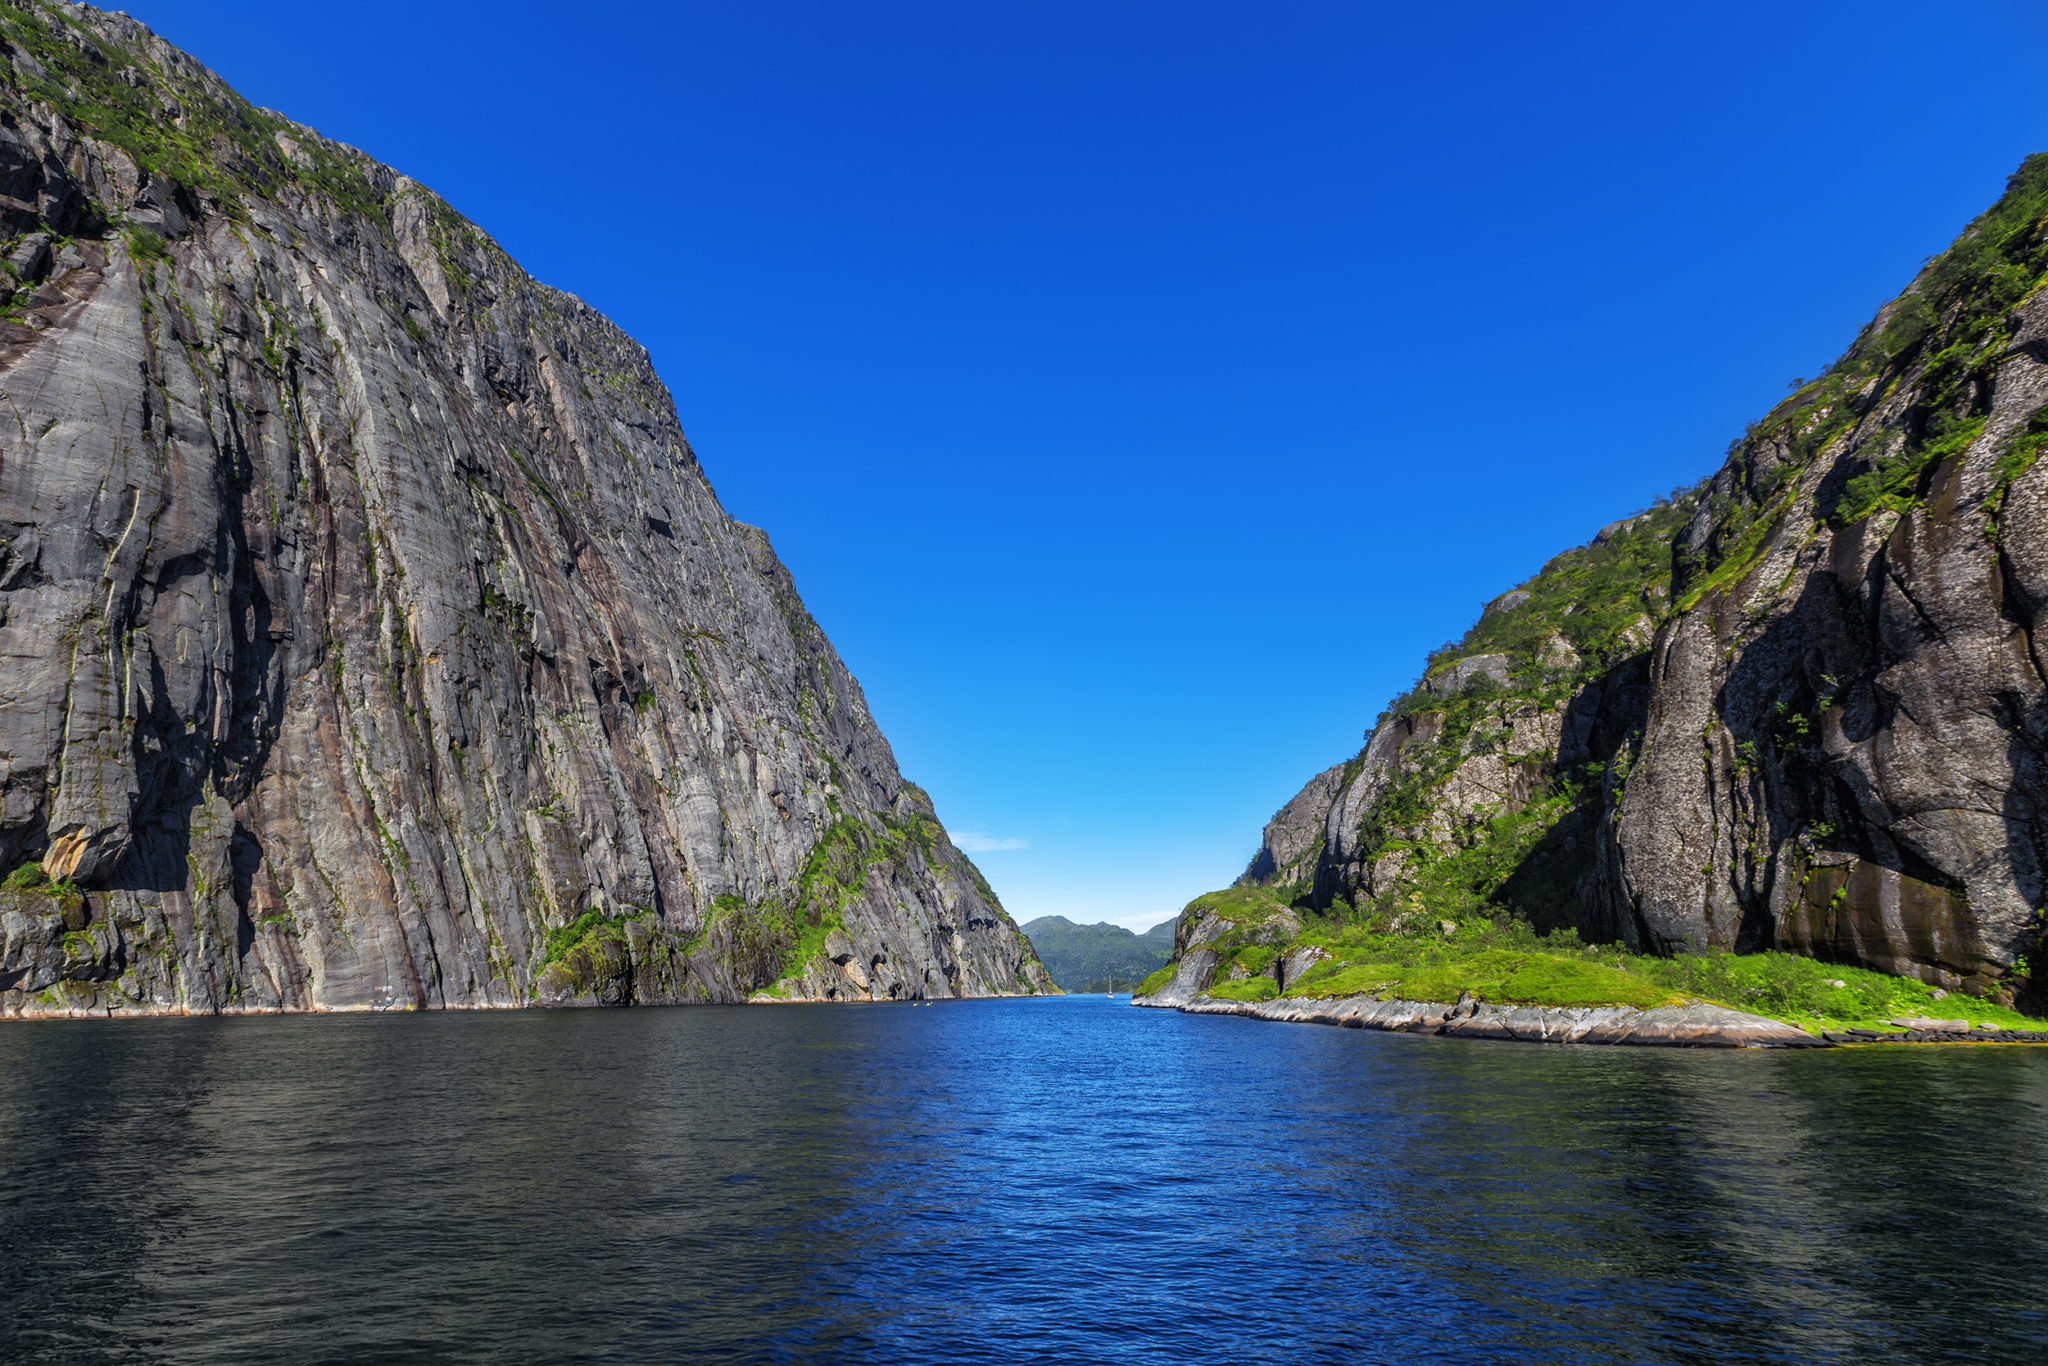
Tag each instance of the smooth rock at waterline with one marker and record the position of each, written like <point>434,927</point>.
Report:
<point>1697,1025</point>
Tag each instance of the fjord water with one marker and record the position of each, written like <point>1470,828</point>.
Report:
<point>1038,1180</point>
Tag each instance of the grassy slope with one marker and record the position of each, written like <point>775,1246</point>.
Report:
<point>1506,963</point>
<point>1504,960</point>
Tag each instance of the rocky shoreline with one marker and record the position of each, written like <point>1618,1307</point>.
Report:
<point>1698,1025</point>
<point>115,1009</point>
<point>1945,1033</point>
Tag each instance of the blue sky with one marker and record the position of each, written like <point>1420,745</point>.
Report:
<point>1138,391</point>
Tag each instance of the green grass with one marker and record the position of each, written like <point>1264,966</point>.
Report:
<point>1500,976</point>
<point>27,877</point>
<point>1240,904</point>
<point>1246,989</point>
<point>810,945</point>
<point>1255,958</point>
<point>1789,987</point>
<point>1505,962</point>
<point>1155,981</point>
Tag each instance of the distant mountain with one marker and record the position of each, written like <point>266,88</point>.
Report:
<point>1090,957</point>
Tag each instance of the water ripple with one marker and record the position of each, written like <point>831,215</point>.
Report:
<point>1031,1181</point>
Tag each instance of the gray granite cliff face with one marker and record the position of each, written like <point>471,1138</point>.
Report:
<point>1803,706</point>
<point>1843,751</point>
<point>1294,839</point>
<point>369,634</point>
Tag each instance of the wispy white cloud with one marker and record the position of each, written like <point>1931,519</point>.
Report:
<point>981,842</point>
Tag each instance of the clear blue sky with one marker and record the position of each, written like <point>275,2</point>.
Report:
<point>1137,390</point>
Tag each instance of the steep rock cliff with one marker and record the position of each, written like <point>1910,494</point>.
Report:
<point>1801,706</point>
<point>369,634</point>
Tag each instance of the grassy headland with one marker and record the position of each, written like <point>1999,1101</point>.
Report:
<point>1504,961</point>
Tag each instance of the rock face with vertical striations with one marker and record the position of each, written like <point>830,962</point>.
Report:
<point>1803,706</point>
<point>369,634</point>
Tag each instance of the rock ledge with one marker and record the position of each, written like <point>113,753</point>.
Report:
<point>1689,1026</point>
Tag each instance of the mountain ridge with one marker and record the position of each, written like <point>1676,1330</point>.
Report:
<point>1096,957</point>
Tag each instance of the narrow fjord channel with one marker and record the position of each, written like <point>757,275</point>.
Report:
<point>1052,1180</point>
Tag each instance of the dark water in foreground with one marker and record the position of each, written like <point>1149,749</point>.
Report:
<point>1065,1181</point>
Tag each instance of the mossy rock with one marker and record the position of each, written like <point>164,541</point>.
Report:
<point>1243,905</point>
<point>33,892</point>
<point>589,959</point>
<point>599,969</point>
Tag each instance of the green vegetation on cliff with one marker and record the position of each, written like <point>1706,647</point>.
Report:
<point>30,880</point>
<point>1584,614</point>
<point>1946,334</point>
<point>215,141</point>
<point>1240,905</point>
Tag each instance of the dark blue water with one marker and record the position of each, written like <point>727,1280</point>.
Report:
<point>1023,1181</point>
